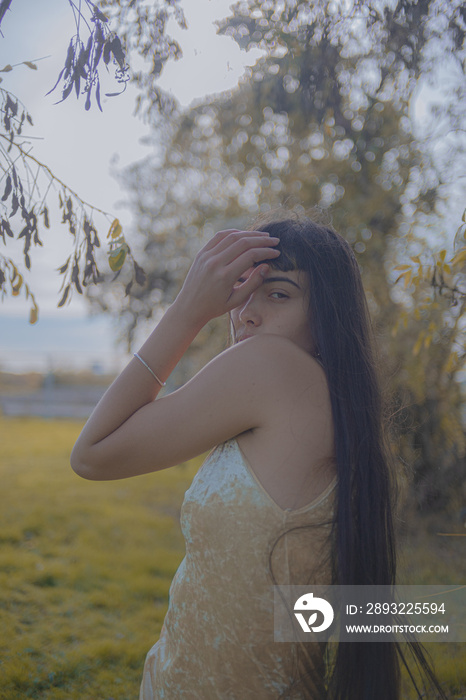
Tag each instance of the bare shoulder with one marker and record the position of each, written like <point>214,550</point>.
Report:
<point>276,360</point>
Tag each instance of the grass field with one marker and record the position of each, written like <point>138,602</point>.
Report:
<point>85,569</point>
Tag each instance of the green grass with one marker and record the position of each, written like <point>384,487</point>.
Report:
<point>85,569</point>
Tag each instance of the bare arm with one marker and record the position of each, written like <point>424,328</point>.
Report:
<point>118,439</point>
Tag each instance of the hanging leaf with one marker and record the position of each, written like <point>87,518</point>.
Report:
<point>117,51</point>
<point>117,257</point>
<point>30,65</point>
<point>58,80</point>
<point>33,315</point>
<point>115,229</point>
<point>75,277</point>
<point>7,228</point>
<point>7,69</point>
<point>64,267</point>
<point>14,204</point>
<point>97,95</point>
<point>16,284</point>
<point>65,296</point>
<point>45,212</point>
<point>8,188</point>
<point>139,274</point>
<point>107,52</point>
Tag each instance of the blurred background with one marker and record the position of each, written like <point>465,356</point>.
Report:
<point>169,121</point>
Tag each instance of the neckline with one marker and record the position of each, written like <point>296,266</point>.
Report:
<point>284,511</point>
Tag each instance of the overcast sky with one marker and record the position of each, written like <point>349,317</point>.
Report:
<point>82,148</point>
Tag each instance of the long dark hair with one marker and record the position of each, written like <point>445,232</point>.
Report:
<point>363,540</point>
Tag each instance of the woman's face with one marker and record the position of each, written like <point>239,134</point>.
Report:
<point>279,306</point>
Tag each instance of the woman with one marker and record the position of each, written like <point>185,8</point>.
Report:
<point>298,488</point>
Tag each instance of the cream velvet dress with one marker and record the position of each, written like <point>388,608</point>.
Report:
<point>217,640</point>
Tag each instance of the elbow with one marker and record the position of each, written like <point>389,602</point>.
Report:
<point>82,467</point>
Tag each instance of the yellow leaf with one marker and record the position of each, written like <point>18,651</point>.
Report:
<point>417,315</point>
<point>418,344</point>
<point>446,268</point>
<point>451,362</point>
<point>415,259</point>
<point>442,255</point>
<point>403,274</point>
<point>15,288</point>
<point>407,277</point>
<point>459,258</point>
<point>115,229</point>
<point>463,218</point>
<point>117,257</point>
<point>402,267</point>
<point>427,341</point>
<point>33,315</point>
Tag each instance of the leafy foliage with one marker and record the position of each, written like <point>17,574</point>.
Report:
<point>82,61</point>
<point>24,207</point>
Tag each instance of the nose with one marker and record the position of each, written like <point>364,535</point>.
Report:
<point>250,313</point>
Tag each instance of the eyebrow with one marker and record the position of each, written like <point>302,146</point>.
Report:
<point>280,279</point>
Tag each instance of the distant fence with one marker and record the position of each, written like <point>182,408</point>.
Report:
<point>53,402</point>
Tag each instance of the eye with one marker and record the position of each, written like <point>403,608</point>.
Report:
<point>279,295</point>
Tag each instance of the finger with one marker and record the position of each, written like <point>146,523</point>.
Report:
<point>247,250</point>
<point>240,239</point>
<point>243,291</point>
<point>247,259</point>
<point>219,236</point>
